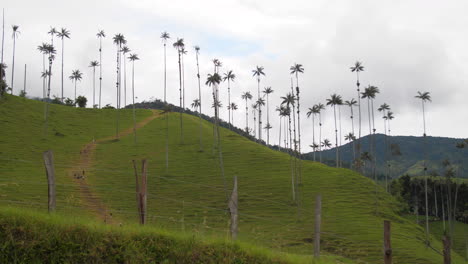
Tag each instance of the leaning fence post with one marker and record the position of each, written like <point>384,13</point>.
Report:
<point>446,242</point>
<point>387,243</point>
<point>233,210</point>
<point>48,157</point>
<point>318,219</point>
<point>141,188</point>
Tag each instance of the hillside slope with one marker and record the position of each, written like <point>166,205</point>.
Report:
<point>190,196</point>
<point>412,154</point>
<point>22,143</point>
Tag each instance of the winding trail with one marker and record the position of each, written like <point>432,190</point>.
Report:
<point>90,200</point>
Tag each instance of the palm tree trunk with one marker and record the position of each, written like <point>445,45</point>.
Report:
<point>299,154</point>
<point>199,99</point>
<point>133,101</point>
<point>125,79</point>
<point>100,70</point>
<point>48,97</point>
<point>268,121</point>
<point>354,141</point>
<point>259,111</point>
<point>229,102</point>
<point>75,93</point>
<point>425,178</point>
<point>43,79</point>
<point>165,72</point>
<point>279,140</point>
<point>246,117</point>
<point>339,122</point>
<point>117,91</point>
<point>63,47</point>
<point>13,64</point>
<point>313,133</point>
<point>183,81</point>
<point>180,101</point>
<point>291,162</point>
<point>94,86</point>
<point>320,136</point>
<point>336,137</point>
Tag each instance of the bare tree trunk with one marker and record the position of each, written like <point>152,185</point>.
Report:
<point>199,100</point>
<point>100,70</point>
<point>63,47</point>
<point>180,101</point>
<point>13,64</point>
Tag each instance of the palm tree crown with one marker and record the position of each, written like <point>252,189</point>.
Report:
<point>258,71</point>
<point>213,79</point>
<point>267,90</point>
<point>76,75</point>
<point>425,96</point>
<point>101,34</point>
<point>229,76</point>
<point>246,96</point>
<point>358,67</point>
<point>296,68</point>
<point>165,36</point>
<point>63,33</point>
<point>119,39</point>
<point>133,57</point>
<point>335,100</point>
<point>93,64</point>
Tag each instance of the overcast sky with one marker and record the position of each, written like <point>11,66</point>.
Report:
<point>405,46</point>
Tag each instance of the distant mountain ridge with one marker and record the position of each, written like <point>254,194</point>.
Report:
<point>412,154</point>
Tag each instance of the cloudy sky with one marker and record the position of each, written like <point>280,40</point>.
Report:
<point>405,46</point>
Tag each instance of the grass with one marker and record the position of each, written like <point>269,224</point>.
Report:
<point>190,198</point>
<point>460,235</point>
<point>23,141</point>
<point>32,237</point>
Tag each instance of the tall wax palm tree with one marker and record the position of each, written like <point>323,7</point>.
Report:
<point>320,107</point>
<point>357,68</point>
<point>351,103</point>
<point>333,101</point>
<point>44,80</point>
<point>124,51</point>
<point>370,92</point>
<point>288,101</point>
<point>52,32</point>
<point>214,80</point>
<point>165,36</point>
<point>258,72</point>
<point>267,91</point>
<point>94,64</point>
<point>75,77</point>
<point>233,107</point>
<point>119,41</point>
<point>133,57</point>
<point>312,112</point>
<point>14,36</point>
<point>63,33</point>
<point>425,97</point>
<point>197,52</point>
<point>179,45</point>
<point>351,138</point>
<point>296,69</point>
<point>229,76</point>
<point>246,96</point>
<point>384,108</point>
<point>101,34</point>
<point>50,51</point>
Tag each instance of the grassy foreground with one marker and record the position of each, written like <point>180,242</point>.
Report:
<point>30,237</point>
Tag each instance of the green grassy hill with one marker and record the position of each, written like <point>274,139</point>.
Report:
<point>190,197</point>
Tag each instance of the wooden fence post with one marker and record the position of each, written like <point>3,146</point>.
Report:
<point>48,157</point>
<point>233,210</point>
<point>446,242</point>
<point>387,243</point>
<point>141,189</point>
<point>318,219</point>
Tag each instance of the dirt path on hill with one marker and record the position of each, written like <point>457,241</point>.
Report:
<point>78,172</point>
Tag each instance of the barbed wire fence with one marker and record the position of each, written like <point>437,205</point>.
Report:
<point>312,233</point>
